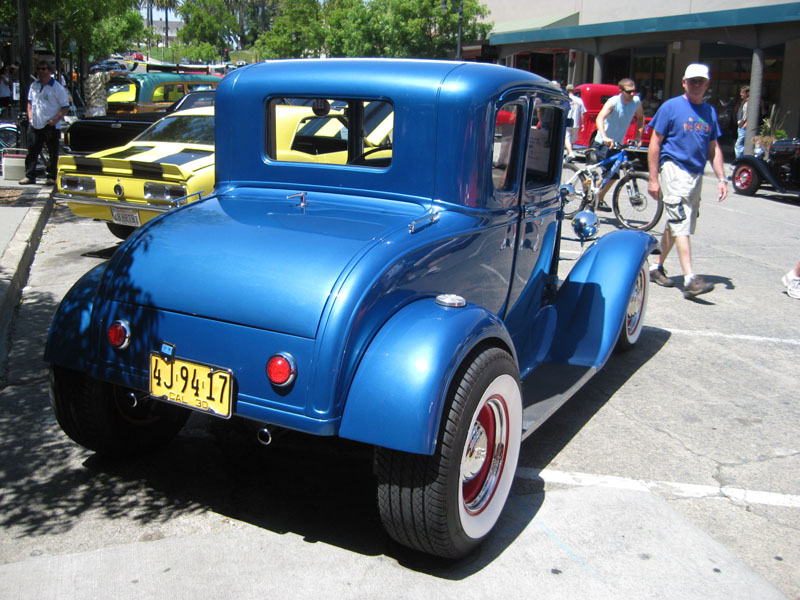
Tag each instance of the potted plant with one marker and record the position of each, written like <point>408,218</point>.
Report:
<point>771,130</point>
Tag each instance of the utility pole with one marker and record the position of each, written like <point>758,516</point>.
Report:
<point>24,73</point>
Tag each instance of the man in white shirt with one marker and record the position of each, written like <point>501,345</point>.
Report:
<point>48,103</point>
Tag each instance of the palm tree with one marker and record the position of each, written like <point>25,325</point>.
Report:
<point>166,6</point>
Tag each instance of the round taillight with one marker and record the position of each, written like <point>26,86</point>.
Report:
<point>281,369</point>
<point>119,335</point>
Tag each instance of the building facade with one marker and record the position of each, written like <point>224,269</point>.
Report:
<point>753,42</point>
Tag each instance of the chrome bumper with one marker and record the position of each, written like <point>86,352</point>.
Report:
<point>160,207</point>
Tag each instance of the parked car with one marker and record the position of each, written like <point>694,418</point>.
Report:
<point>135,101</point>
<point>780,170</point>
<point>396,298</point>
<point>170,163</point>
<point>594,96</point>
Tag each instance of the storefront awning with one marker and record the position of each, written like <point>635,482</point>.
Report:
<point>562,20</point>
<point>776,13</point>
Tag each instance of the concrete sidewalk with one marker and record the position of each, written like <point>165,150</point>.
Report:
<point>22,220</point>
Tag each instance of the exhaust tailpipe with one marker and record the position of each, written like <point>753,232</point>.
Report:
<point>264,437</point>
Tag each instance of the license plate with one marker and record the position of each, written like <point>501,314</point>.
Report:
<point>200,387</point>
<point>124,216</point>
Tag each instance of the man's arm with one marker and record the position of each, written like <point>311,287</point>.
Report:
<point>715,156</point>
<point>639,123</point>
<point>601,120</point>
<point>653,156</point>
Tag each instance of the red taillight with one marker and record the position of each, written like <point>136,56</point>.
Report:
<point>119,335</point>
<point>281,369</point>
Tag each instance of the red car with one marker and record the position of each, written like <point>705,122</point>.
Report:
<point>594,96</point>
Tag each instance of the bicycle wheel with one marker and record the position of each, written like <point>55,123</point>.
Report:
<point>570,174</point>
<point>633,207</point>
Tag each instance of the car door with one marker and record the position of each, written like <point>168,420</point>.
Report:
<point>538,227</point>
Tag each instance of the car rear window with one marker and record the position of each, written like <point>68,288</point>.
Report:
<point>334,131</point>
<point>186,129</point>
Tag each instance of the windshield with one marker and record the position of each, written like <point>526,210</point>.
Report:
<point>194,129</point>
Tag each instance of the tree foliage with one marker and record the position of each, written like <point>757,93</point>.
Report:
<point>207,21</point>
<point>99,26</point>
<point>410,28</point>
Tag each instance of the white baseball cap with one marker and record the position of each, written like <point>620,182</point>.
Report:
<point>696,70</point>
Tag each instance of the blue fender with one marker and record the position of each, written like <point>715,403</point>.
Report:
<point>592,301</point>
<point>396,396</point>
<point>69,342</point>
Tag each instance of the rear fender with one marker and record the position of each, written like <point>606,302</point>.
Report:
<point>592,302</point>
<point>69,342</point>
<point>400,385</point>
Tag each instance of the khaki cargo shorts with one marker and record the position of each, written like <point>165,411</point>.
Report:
<point>681,192</point>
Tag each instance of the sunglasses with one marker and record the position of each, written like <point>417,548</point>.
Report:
<point>633,91</point>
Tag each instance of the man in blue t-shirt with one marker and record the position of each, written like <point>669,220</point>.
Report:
<point>685,132</point>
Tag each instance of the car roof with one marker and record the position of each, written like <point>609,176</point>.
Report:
<point>436,117</point>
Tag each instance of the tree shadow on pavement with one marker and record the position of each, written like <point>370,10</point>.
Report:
<point>322,489</point>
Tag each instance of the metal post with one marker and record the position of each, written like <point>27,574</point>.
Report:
<point>754,103</point>
<point>459,55</point>
<point>24,72</point>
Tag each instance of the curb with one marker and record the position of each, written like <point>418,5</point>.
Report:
<point>15,267</point>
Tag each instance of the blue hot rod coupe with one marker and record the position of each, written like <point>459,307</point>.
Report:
<point>378,261</point>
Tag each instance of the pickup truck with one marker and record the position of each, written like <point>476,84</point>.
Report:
<point>135,101</point>
<point>394,289</point>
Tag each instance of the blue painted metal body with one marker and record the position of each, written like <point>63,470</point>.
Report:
<point>346,281</point>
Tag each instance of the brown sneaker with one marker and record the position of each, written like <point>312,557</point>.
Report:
<point>659,276</point>
<point>27,181</point>
<point>697,286</point>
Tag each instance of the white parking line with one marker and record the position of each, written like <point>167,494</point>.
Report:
<point>736,336</point>
<point>678,490</point>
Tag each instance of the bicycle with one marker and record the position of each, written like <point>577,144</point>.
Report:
<point>633,207</point>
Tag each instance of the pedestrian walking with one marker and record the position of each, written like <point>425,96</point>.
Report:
<point>792,282</point>
<point>685,132</point>
<point>741,122</point>
<point>48,103</point>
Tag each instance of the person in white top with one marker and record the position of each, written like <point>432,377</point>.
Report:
<point>576,110</point>
<point>48,103</point>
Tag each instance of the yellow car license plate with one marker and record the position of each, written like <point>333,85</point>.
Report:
<point>196,386</point>
<point>124,216</point>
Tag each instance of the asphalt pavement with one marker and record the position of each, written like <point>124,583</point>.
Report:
<point>673,474</point>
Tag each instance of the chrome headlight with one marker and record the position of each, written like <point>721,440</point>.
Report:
<point>163,191</point>
<point>73,183</point>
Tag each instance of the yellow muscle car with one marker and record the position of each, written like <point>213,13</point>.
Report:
<point>170,163</point>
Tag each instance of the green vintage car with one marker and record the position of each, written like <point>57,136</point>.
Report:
<point>135,101</point>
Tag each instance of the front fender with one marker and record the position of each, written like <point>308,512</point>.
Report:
<point>69,342</point>
<point>400,385</point>
<point>592,301</point>
<point>762,168</point>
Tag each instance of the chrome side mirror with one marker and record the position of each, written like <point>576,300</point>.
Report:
<point>566,190</point>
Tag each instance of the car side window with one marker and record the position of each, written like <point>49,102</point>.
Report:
<point>544,145</point>
<point>507,125</point>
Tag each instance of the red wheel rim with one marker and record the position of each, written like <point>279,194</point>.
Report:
<point>484,455</point>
